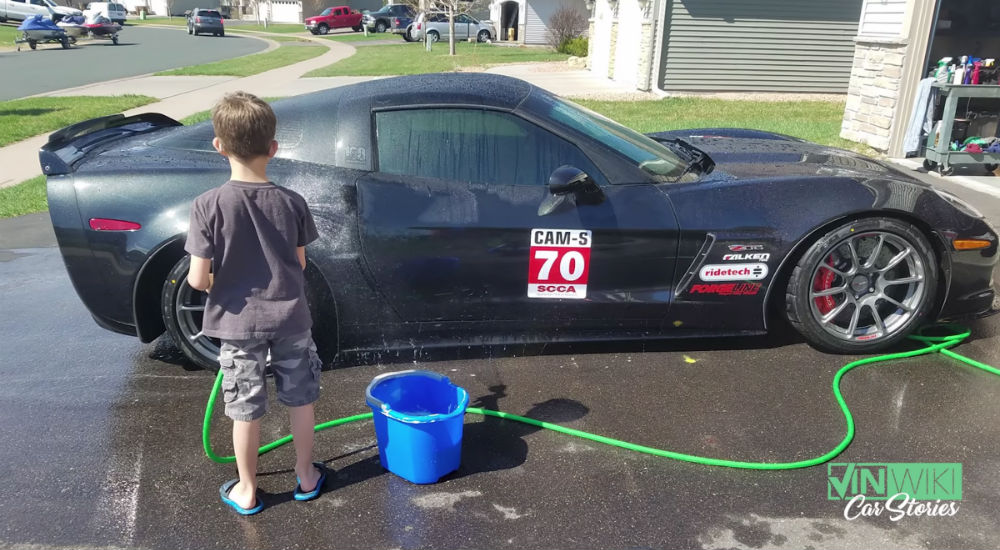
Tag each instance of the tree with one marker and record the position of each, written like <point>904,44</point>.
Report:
<point>566,23</point>
<point>452,8</point>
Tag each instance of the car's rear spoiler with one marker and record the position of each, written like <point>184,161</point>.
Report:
<point>69,145</point>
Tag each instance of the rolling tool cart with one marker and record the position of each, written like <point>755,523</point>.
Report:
<point>937,153</point>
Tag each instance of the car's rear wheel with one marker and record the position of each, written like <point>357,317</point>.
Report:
<point>356,28</point>
<point>324,28</point>
<point>863,286</point>
<point>483,36</point>
<point>183,308</point>
<point>381,26</point>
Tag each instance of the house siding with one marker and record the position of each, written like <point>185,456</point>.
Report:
<point>759,45</point>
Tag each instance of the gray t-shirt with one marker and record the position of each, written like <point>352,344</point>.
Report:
<point>250,232</point>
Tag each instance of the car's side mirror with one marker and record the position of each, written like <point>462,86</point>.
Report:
<point>569,179</point>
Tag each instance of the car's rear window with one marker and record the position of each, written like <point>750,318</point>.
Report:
<point>116,7</point>
<point>210,13</point>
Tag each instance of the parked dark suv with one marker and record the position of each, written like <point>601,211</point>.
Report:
<point>393,18</point>
<point>202,20</point>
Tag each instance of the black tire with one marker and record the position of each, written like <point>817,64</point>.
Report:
<point>182,323</point>
<point>408,35</point>
<point>114,40</point>
<point>356,28</point>
<point>433,36</point>
<point>190,30</point>
<point>32,44</point>
<point>222,34</point>
<point>929,165</point>
<point>323,28</point>
<point>65,43</point>
<point>483,36</point>
<point>876,275</point>
<point>381,26</point>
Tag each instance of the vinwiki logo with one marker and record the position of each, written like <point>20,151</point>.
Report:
<point>895,490</point>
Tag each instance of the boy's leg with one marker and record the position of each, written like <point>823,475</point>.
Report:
<point>303,421</point>
<point>246,442</point>
<point>245,394</point>
<point>296,369</point>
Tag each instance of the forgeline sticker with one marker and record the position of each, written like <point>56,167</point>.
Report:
<point>726,289</point>
<point>559,263</point>
<point>733,272</point>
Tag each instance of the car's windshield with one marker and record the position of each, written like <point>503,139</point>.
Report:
<point>652,157</point>
<point>327,11</point>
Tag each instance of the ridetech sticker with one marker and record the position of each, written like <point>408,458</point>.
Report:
<point>559,263</point>
<point>733,272</point>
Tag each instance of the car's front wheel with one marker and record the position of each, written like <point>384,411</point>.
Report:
<point>483,36</point>
<point>182,308</point>
<point>863,286</point>
<point>324,28</point>
<point>433,36</point>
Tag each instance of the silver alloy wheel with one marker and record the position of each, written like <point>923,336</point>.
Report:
<point>867,286</point>
<point>189,307</point>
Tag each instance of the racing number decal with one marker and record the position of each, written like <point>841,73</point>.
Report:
<point>559,263</point>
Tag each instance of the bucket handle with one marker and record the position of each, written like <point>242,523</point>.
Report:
<point>426,373</point>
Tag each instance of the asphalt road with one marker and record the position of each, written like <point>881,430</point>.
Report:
<point>140,50</point>
<point>102,442</point>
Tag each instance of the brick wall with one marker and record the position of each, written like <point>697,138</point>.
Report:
<point>873,93</point>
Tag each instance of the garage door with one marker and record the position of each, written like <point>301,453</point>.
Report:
<point>759,45</point>
<point>537,16</point>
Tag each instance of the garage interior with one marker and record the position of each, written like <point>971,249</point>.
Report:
<point>966,30</point>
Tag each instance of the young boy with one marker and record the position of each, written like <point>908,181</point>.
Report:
<point>252,234</point>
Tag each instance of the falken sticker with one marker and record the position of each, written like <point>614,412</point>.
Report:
<point>733,272</point>
<point>747,257</point>
<point>559,263</point>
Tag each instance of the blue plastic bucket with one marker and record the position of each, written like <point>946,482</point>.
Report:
<point>418,423</point>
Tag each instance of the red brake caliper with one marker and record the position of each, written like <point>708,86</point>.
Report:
<point>824,281</point>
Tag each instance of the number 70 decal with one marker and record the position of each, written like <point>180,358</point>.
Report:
<point>558,264</point>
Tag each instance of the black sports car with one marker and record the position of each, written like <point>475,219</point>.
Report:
<point>468,209</point>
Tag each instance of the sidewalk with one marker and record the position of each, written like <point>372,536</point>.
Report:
<point>181,96</point>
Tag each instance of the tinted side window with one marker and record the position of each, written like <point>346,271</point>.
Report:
<point>476,146</point>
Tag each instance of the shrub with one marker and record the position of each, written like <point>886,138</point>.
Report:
<point>574,46</point>
<point>566,23</point>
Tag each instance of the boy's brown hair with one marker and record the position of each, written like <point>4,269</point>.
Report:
<point>244,124</point>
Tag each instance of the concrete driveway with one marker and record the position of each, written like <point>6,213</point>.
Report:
<point>103,446</point>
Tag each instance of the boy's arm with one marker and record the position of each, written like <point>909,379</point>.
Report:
<point>198,276</point>
<point>301,253</point>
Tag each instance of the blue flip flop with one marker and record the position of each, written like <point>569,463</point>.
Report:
<point>302,495</point>
<point>224,495</point>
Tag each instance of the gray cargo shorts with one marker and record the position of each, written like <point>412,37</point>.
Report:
<point>295,366</point>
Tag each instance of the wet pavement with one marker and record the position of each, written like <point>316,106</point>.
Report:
<point>103,442</point>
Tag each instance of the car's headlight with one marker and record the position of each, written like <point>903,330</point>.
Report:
<point>958,203</point>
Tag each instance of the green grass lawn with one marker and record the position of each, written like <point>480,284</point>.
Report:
<point>251,64</point>
<point>24,198</point>
<point>817,121</point>
<point>360,37</point>
<point>413,59</point>
<point>24,118</point>
<point>8,32</point>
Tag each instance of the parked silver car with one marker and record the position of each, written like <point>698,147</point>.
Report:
<point>435,25</point>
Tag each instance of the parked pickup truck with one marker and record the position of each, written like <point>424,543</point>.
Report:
<point>340,17</point>
<point>19,10</point>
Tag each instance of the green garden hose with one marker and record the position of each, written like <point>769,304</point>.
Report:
<point>933,344</point>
